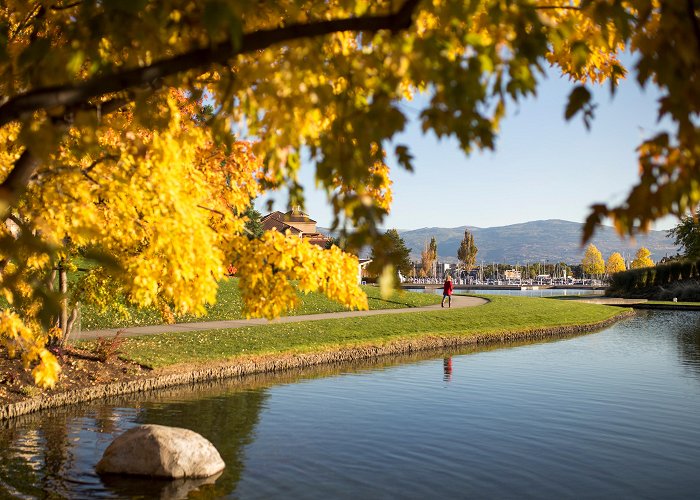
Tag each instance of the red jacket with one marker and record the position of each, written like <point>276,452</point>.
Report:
<point>447,287</point>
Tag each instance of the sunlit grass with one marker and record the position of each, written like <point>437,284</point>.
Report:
<point>670,303</point>
<point>501,315</point>
<point>229,305</point>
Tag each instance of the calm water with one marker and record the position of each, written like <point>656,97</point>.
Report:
<point>545,292</point>
<point>606,415</point>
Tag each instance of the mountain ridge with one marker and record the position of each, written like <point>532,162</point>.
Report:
<point>553,240</point>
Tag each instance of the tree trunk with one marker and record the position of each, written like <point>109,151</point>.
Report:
<point>70,324</point>
<point>63,288</point>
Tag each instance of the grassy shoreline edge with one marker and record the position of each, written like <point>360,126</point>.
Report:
<point>248,365</point>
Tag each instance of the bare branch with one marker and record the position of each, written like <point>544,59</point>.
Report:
<point>79,94</point>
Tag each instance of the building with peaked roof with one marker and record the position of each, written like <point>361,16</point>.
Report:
<point>297,223</point>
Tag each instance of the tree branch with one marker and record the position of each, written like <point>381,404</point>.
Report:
<point>66,6</point>
<point>556,7</point>
<point>14,184</point>
<point>694,21</point>
<point>79,94</point>
<point>26,165</point>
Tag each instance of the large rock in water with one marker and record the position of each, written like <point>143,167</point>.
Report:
<point>161,451</point>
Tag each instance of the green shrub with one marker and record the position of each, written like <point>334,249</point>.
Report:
<point>663,275</point>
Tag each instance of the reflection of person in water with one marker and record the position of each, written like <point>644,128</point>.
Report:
<point>447,369</point>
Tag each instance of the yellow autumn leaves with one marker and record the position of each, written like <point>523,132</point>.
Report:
<point>164,206</point>
<point>157,185</point>
<point>267,265</point>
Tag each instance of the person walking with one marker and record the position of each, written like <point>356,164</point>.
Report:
<point>447,292</point>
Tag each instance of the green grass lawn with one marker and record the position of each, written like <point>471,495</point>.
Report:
<point>229,305</point>
<point>671,303</point>
<point>502,314</point>
<point>576,297</point>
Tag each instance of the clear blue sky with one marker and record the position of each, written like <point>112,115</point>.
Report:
<point>543,168</point>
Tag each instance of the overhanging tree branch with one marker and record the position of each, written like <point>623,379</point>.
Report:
<point>27,164</point>
<point>79,94</point>
<point>15,182</point>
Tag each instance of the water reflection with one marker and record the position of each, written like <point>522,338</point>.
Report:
<point>56,450</point>
<point>447,369</point>
<point>687,326</point>
<point>138,487</point>
<point>604,415</point>
<point>227,420</point>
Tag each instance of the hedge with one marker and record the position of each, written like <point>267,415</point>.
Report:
<point>661,275</point>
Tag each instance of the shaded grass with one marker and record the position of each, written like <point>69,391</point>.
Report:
<point>503,314</point>
<point>229,305</point>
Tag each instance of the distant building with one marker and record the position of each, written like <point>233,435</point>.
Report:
<point>442,269</point>
<point>362,269</point>
<point>512,274</point>
<point>297,223</point>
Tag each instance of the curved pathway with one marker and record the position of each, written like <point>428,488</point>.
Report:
<point>458,301</point>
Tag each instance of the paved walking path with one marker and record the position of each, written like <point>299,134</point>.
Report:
<point>613,301</point>
<point>134,331</point>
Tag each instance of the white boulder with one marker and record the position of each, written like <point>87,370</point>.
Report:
<point>161,451</point>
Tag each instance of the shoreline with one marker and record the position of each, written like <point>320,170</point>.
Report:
<point>242,366</point>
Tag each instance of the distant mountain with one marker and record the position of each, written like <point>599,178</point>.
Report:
<point>553,240</point>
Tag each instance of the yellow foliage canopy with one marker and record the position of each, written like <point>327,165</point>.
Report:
<point>592,261</point>
<point>615,264</point>
<point>96,150</point>
<point>642,259</point>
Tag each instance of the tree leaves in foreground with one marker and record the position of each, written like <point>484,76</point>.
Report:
<point>97,153</point>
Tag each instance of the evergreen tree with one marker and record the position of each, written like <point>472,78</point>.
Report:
<point>687,234</point>
<point>253,225</point>
<point>393,249</point>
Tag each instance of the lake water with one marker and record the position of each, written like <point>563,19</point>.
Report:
<point>544,292</point>
<point>605,415</point>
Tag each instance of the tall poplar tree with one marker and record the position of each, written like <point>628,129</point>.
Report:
<point>466,253</point>
<point>433,254</point>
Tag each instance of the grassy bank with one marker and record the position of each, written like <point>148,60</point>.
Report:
<point>503,315</point>
<point>229,306</point>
